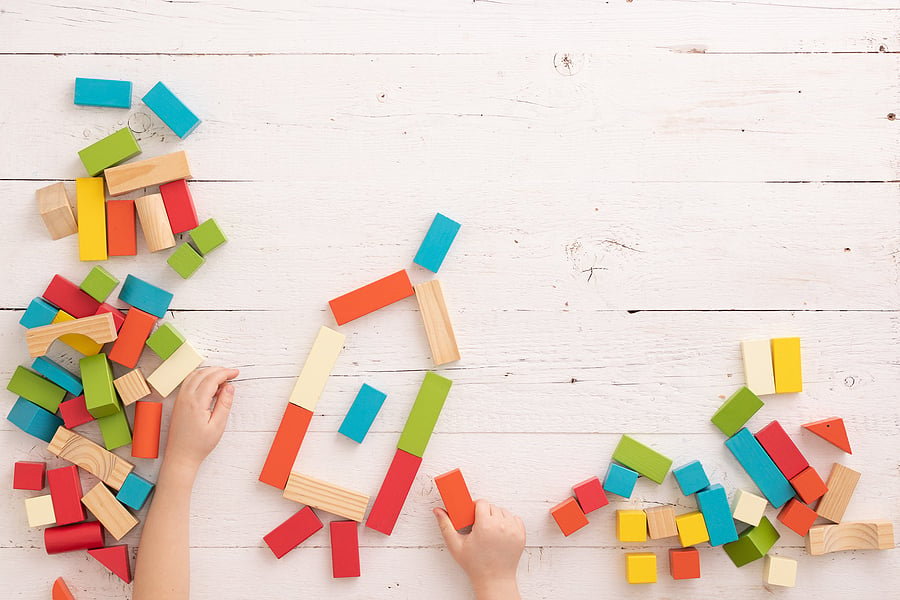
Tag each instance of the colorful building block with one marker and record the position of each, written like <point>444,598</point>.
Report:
<point>58,375</point>
<point>781,449</point>
<point>98,328</point>
<point>147,424</point>
<point>147,173</point>
<point>185,261</point>
<point>131,387</point>
<point>456,497</point>
<point>99,284</point>
<point>65,488</point>
<point>39,511</point>
<point>165,340</point>
<point>115,429</point>
<point>171,110</point>
<point>759,466</point>
<point>797,516</point>
<point>620,480</point>
<point>841,485</point>
<point>135,491</point>
<point>631,526</point>
<point>80,341</point>
<point>780,571</point>
<point>786,364</point>
<point>114,558</point>
<point>99,394</point>
<point>590,495</point>
<point>285,446</point>
<point>809,485</point>
<point>39,313</point>
<point>121,236</point>
<point>640,567</point>
<point>736,411</point>
<point>691,477</point>
<point>424,414</point>
<point>179,206</point>
<point>437,243</point>
<point>109,93</point>
<point>154,223</point>
<point>292,532</point>
<point>713,503</point>
<point>863,535</point>
<point>208,236</point>
<point>61,591</point>
<point>33,387</point>
<point>74,412</point>
<point>752,544</point>
<point>34,420</point>
<point>691,529</point>
<point>56,211</point>
<point>102,464</point>
<point>131,338</point>
<point>758,373</point>
<point>117,315</point>
<point>748,508</point>
<point>371,297</point>
<point>661,522</point>
<point>684,563</point>
<point>67,296</point>
<point>115,518</point>
<point>91,204</point>
<point>69,538</point>
<point>29,475</point>
<point>344,549</point>
<point>362,413</point>
<point>393,492</point>
<point>109,151</point>
<point>175,369</point>
<point>436,318</point>
<point>831,430</point>
<point>317,368</point>
<point>568,516</point>
<point>326,496</point>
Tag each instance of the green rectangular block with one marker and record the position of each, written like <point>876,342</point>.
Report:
<point>99,393</point>
<point>752,544</point>
<point>115,429</point>
<point>643,459</point>
<point>35,388</point>
<point>208,236</point>
<point>110,151</point>
<point>185,260</point>
<point>424,414</point>
<point>99,284</point>
<point>165,340</point>
<point>736,411</point>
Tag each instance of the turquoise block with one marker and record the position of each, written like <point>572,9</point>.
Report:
<point>620,480</point>
<point>361,414</point>
<point>691,478</point>
<point>39,313</point>
<point>134,491</point>
<point>171,110</point>
<point>760,467</point>
<point>713,503</point>
<point>58,375</point>
<point>110,93</point>
<point>437,242</point>
<point>144,296</point>
<point>34,420</point>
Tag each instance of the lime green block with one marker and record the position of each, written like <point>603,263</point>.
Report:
<point>35,388</point>
<point>109,151</point>
<point>208,236</point>
<point>115,429</point>
<point>99,284</point>
<point>424,414</point>
<point>643,459</point>
<point>185,260</point>
<point>752,544</point>
<point>99,394</point>
<point>165,341</point>
<point>736,411</point>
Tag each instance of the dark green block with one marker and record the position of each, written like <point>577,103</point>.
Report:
<point>99,393</point>
<point>165,340</point>
<point>736,411</point>
<point>752,544</point>
<point>643,459</point>
<point>424,414</point>
<point>99,284</point>
<point>110,151</point>
<point>35,388</point>
<point>115,429</point>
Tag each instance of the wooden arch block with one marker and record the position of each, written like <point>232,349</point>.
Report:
<point>99,328</point>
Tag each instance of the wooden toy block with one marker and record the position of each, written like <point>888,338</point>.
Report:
<point>61,590</point>
<point>147,423</point>
<point>165,340</point>
<point>797,517</point>
<point>77,341</point>
<point>456,497</point>
<point>759,466</point>
<point>145,296</point>
<point>131,339</point>
<point>65,489</point>
<point>135,491</point>
<point>736,411</point>
<point>590,495</point>
<point>67,296</point>
<point>33,387</point>
<point>371,297</point>
<point>713,503</point>
<point>362,413</point>
<point>841,484</point>
<point>620,480</point>
<point>117,315</point>
<point>69,538</point>
<point>99,328</point>
<point>786,364</point>
<point>438,328</point>
<point>661,522</point>
<point>781,449</point>
<point>752,544</point>
<point>437,242</point>
<point>179,206</point>
<point>102,464</point>
<point>114,558</point>
<point>91,203</point>
<point>831,430</point>
<point>285,446</point>
<point>146,173</point>
<point>292,532</point>
<point>154,222</point>
<point>110,93</point>
<point>758,373</point>
<point>684,563</point>
<point>424,414</point>
<point>809,485</point>
<point>641,458</point>
<point>691,529</point>
<point>29,475</point>
<point>115,518</point>
<point>39,312</point>
<point>344,549</point>
<point>56,211</point>
<point>74,412</point>
<point>121,237</point>
<point>640,567</point>
<point>132,387</point>
<point>185,261</point>
<point>326,496</point>
<point>780,571</point>
<point>317,368</point>
<point>691,477</point>
<point>393,492</point>
<point>568,516</point>
<point>208,236</point>
<point>631,526</point>
<point>99,284</point>
<point>115,429</point>
<point>175,369</point>
<point>34,420</point>
<point>39,511</point>
<point>55,373</point>
<point>861,535</point>
<point>110,151</point>
<point>171,110</point>
<point>99,394</point>
<point>748,508</point>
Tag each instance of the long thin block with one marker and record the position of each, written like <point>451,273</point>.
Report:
<point>781,449</point>
<point>36,389</point>
<point>147,424</point>
<point>344,549</point>
<point>171,110</point>
<point>438,328</point>
<point>76,341</point>
<point>736,411</point>
<point>179,206</point>
<point>111,150</point>
<point>424,414</point>
<point>29,475</point>
<point>661,522</point>
<point>713,503</point>
<point>81,451</point>
<point>115,518</point>
<point>65,489</point>
<point>393,492</point>
<point>58,375</point>
<point>132,387</point>
<point>56,211</point>
<point>641,458</point>
<point>362,413</point>
<point>69,538</point>
<point>145,296</point>
<point>758,373</point>
<point>67,296</point>
<point>39,511</point>
<point>860,535</point>
<point>175,369</point>
<point>292,532</point>
<point>91,219</point>
<point>145,173</point>
<point>99,394</point>
<point>99,328</point>
<point>285,446</point>
<point>569,516</point>
<point>437,243</point>
<point>326,496</point>
<point>780,571</point>
<point>456,497</point>
<point>841,485</point>
<point>110,93</point>
<point>121,237</point>
<point>114,558</point>
<point>831,430</point>
<point>317,368</point>
<point>774,486</point>
<point>34,420</point>
<point>786,364</point>
<point>154,222</point>
<point>371,297</point>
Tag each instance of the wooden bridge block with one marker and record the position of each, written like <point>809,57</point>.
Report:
<point>438,328</point>
<point>114,558</point>
<point>145,296</point>
<point>631,526</point>
<point>175,369</point>
<point>29,475</point>
<point>100,463</point>
<point>292,532</point>
<point>780,571</point>
<point>317,368</point>
<point>590,495</point>
<point>641,458</point>
<point>809,485</point>
<point>781,449</point>
<point>640,567</point>
<point>861,535</point>
<point>147,423</point>
<point>371,297</point>
<point>661,522</point>
<point>69,538</point>
<point>99,328</point>
<point>91,203</point>
<point>424,414</point>
<point>393,492</point>
<point>831,430</point>
<point>691,529</point>
<point>65,489</point>
<point>171,110</point>
<point>179,206</point>
<point>285,446</point>
<point>841,485</point>
<point>437,243</point>
<point>99,394</point>
<point>56,211</point>
<point>121,234</point>
<point>691,477</point>
<point>758,371</point>
<point>110,93</point>
<point>456,497</point>
<point>39,312</point>
<point>39,511</point>
<point>146,173</point>
<point>67,296</point>
<point>132,387</point>
<point>115,518</point>
<point>36,389</point>
<point>326,496</point>
<point>786,364</point>
<point>736,411</point>
<point>109,151</point>
<point>362,413</point>
<point>76,341</point>
<point>154,222</point>
<point>344,549</point>
<point>684,563</point>
<point>760,467</point>
<point>568,516</point>
<point>797,517</point>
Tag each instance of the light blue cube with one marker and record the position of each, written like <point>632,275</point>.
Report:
<point>135,491</point>
<point>620,480</point>
<point>362,413</point>
<point>171,110</point>
<point>437,243</point>
<point>39,313</point>
<point>691,478</point>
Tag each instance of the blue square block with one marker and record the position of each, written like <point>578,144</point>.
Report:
<point>111,93</point>
<point>620,480</point>
<point>39,313</point>
<point>171,110</point>
<point>437,242</point>
<point>361,414</point>
<point>144,296</point>
<point>135,491</point>
<point>34,420</point>
<point>691,478</point>
<point>713,503</point>
<point>767,477</point>
<point>58,375</point>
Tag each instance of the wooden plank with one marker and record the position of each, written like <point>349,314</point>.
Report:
<point>438,327</point>
<point>841,484</point>
<point>115,518</point>
<point>857,535</point>
<point>326,496</point>
<point>101,463</point>
<point>145,173</point>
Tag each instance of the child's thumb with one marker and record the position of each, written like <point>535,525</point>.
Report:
<point>452,538</point>
<point>224,400</point>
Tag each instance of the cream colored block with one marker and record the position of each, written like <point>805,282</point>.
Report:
<point>759,375</point>
<point>780,571</point>
<point>326,496</point>
<point>438,328</point>
<point>748,508</point>
<point>56,211</point>
<point>40,511</point>
<point>175,369</point>
<point>115,518</point>
<point>132,387</point>
<point>317,368</point>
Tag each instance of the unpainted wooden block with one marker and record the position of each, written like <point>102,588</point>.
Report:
<point>115,518</point>
<point>661,522</point>
<point>154,222</point>
<point>758,371</point>
<point>56,211</point>
<point>780,571</point>
<point>99,328</point>
<point>859,535</point>
<point>132,387</point>
<point>175,369</point>
<point>145,173</point>
<point>841,484</point>
<point>40,511</point>
<point>765,474</point>
<point>100,463</point>
<point>438,328</point>
<point>76,341</point>
<point>326,496</point>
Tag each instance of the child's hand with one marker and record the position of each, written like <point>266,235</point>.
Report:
<point>195,428</point>
<point>490,553</point>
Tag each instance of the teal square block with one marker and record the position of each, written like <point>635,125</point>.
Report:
<point>34,420</point>
<point>39,313</point>
<point>691,478</point>
<point>135,491</point>
<point>620,480</point>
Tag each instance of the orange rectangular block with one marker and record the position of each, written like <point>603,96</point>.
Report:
<point>456,497</point>
<point>147,423</point>
<point>285,446</point>
<point>134,333</point>
<point>369,298</point>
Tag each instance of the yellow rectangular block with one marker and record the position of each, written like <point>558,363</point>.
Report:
<point>640,567</point>
<point>758,373</point>
<point>661,522</point>
<point>40,511</point>
<point>91,203</point>
<point>115,518</point>
<point>631,526</point>
<point>82,344</point>
<point>317,368</point>
<point>786,365</point>
<point>691,529</point>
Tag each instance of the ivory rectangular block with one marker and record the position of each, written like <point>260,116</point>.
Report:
<point>97,461</point>
<point>861,535</point>
<point>326,496</point>
<point>317,368</point>
<point>100,328</point>
<point>841,485</point>
<point>132,387</point>
<point>438,328</point>
<point>758,373</point>
<point>154,222</point>
<point>115,518</point>
<point>144,173</point>
<point>56,211</point>
<point>175,369</point>
<point>91,218</point>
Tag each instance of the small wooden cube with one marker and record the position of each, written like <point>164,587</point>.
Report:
<point>56,211</point>
<point>40,511</point>
<point>631,526</point>
<point>691,529</point>
<point>684,563</point>
<point>661,522</point>
<point>748,508</point>
<point>780,571</point>
<point>640,567</point>
<point>132,387</point>
<point>569,516</point>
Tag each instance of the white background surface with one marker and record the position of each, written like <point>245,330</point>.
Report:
<point>696,173</point>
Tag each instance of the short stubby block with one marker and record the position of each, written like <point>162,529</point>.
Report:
<point>74,412</point>
<point>120,228</point>
<point>841,484</point>
<point>640,567</point>
<point>29,475</point>
<point>641,458</point>
<point>56,210</point>
<point>758,373</point>
<point>115,429</point>
<point>371,297</point>
<point>424,414</point>
<point>179,206</point>
<point>134,492</point>
<point>786,364</point>
<point>691,477</point>
<point>109,93</point>
<point>569,516</point>
<point>165,340</point>
<point>831,430</point>
<point>154,223</point>
<point>661,522</point>
<point>590,494</point>
<point>748,507</point>
<point>631,526</point>
<point>145,296</point>
<point>185,261</point>
<point>691,529</point>
<point>752,544</point>
<point>292,532</point>
<point>99,392</point>
<point>456,497</point>
<point>39,313</point>
<point>40,511</point>
<point>171,110</point>
<point>34,420</point>
<point>781,449</point>
<point>620,480</point>
<point>99,284</point>
<point>759,466</point>
<point>344,549</point>
<point>736,411</point>
<point>110,151</point>
<point>684,563</point>
<point>437,243</point>
<point>713,503</point>
<point>208,236</point>
<point>362,413</point>
<point>781,571</point>
<point>35,388</point>
<point>58,375</point>
<point>797,516</point>
<point>809,485</point>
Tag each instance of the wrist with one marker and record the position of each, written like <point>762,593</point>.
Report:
<point>179,470</point>
<point>496,588</point>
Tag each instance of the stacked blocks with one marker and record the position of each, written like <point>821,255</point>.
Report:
<point>661,522</point>
<point>74,412</point>
<point>781,449</point>
<point>760,467</point>
<point>99,394</point>
<point>175,369</point>
<point>158,170</point>
<point>736,411</point>
<point>67,296</point>
<point>641,458</point>
<point>752,544</point>
<point>569,516</point>
<point>841,485</point>
<point>691,477</point>
<point>135,330</point>
<point>35,388</point>
<point>620,480</point>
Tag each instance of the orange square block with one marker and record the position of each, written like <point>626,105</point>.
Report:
<point>684,563</point>
<point>809,485</point>
<point>797,516</point>
<point>569,516</point>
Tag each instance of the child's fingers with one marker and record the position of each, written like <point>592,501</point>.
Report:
<point>452,538</point>
<point>222,409</point>
<point>211,379</point>
<point>482,510</point>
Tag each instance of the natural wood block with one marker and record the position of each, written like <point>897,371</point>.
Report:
<point>841,484</point>
<point>661,522</point>
<point>438,328</point>
<point>175,369</point>
<point>145,173</point>
<point>640,567</point>
<point>631,526</point>
<point>154,222</point>
<point>858,535</point>
<point>371,297</point>
<point>456,497</point>
<point>132,387</point>
<point>569,516</point>
<point>115,518</point>
<point>99,328</point>
<point>748,507</point>
<point>781,571</point>
<point>758,374</point>
<point>786,364</point>
<point>79,342</point>
<point>691,529</point>
<point>97,461</point>
<point>39,511</point>
<point>326,496</point>
<point>832,430</point>
<point>56,211</point>
<point>317,368</point>
<point>91,219</point>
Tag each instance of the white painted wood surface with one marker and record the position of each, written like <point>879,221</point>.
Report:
<point>694,174</point>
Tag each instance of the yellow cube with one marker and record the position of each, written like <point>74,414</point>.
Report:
<point>640,567</point>
<point>691,529</point>
<point>786,364</point>
<point>631,526</point>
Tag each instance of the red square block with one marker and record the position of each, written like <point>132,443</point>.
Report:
<point>344,549</point>
<point>65,491</point>
<point>797,516</point>
<point>289,534</point>
<point>781,449</point>
<point>569,516</point>
<point>684,563</point>
<point>809,485</point>
<point>29,475</point>
<point>74,412</point>
<point>590,494</point>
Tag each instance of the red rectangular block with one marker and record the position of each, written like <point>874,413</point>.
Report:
<point>121,238</point>
<point>344,549</point>
<point>371,297</point>
<point>457,500</point>
<point>797,516</point>
<point>285,446</point>
<point>590,494</point>
<point>65,491</point>
<point>118,315</point>
<point>394,490</point>
<point>809,485</point>
<point>179,206</point>
<point>127,348</point>
<point>292,532</point>
<point>74,412</point>
<point>781,449</point>
<point>67,296</point>
<point>29,475</point>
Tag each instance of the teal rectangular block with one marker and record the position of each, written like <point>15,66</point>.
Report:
<point>362,413</point>
<point>145,296</point>
<point>171,110</point>
<point>35,388</point>
<point>115,429</point>
<point>110,151</point>
<point>109,93</point>
<point>736,411</point>
<point>437,243</point>
<point>641,458</point>
<point>165,340</point>
<point>34,420</point>
<point>58,375</point>
<point>768,478</point>
<point>99,393</point>
<point>713,503</point>
<point>208,236</point>
<point>134,491</point>
<point>39,313</point>
<point>424,414</point>
<point>691,477</point>
<point>99,284</point>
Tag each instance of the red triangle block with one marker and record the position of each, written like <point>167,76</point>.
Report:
<point>831,430</point>
<point>114,558</point>
<point>61,590</point>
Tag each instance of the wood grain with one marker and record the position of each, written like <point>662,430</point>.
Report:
<point>99,328</point>
<point>868,535</point>
<point>115,518</point>
<point>438,328</point>
<point>97,461</point>
<point>841,484</point>
<point>154,222</point>
<point>132,387</point>
<point>326,496</point>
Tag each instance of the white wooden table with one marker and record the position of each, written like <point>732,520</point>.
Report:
<point>641,186</point>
